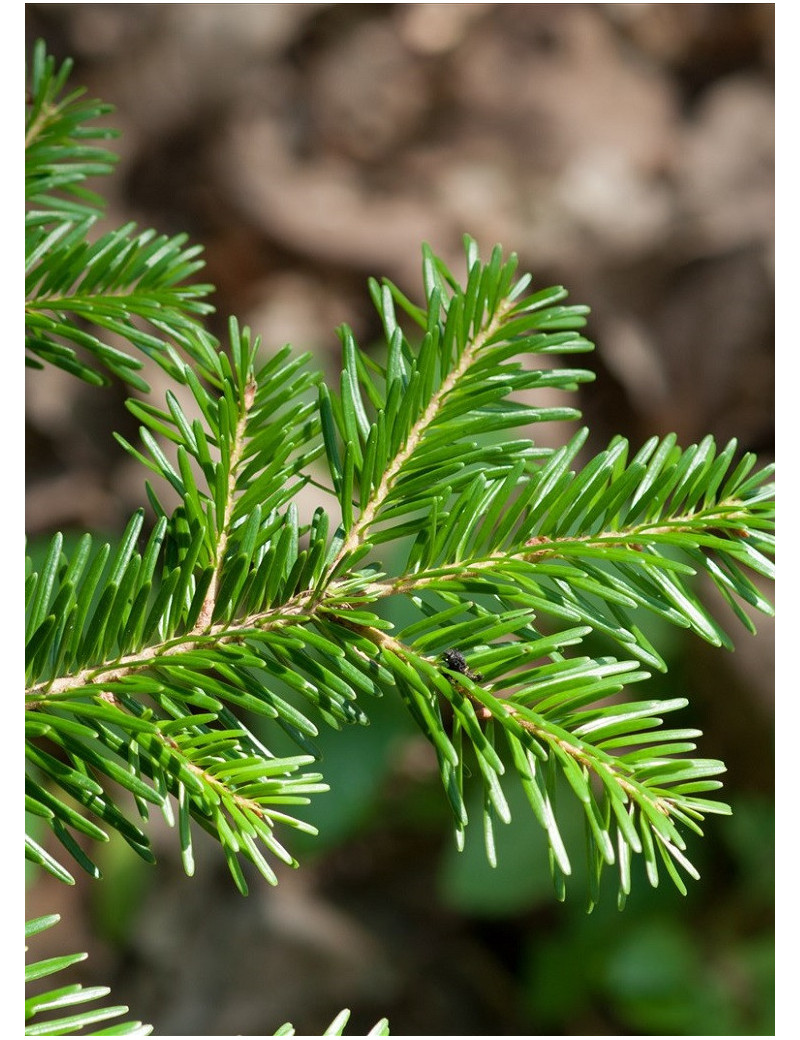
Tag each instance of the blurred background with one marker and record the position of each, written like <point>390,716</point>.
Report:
<point>623,150</point>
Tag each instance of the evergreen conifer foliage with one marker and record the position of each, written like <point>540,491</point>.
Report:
<point>143,658</point>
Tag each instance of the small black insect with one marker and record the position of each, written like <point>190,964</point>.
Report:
<point>456,661</point>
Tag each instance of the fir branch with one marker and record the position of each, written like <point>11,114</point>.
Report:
<point>235,458</point>
<point>143,658</point>
<point>82,295</point>
<point>58,158</point>
<point>225,604</point>
<point>415,435</point>
<point>68,1001</point>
